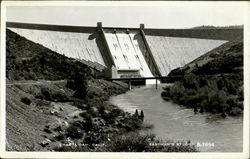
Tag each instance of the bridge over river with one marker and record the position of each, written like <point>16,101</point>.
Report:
<point>167,79</point>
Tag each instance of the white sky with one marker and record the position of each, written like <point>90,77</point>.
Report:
<point>153,15</point>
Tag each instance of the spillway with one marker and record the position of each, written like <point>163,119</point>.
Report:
<point>126,52</point>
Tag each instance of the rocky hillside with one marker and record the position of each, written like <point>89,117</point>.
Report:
<point>26,60</point>
<point>213,82</point>
<point>227,58</point>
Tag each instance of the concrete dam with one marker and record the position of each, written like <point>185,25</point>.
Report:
<point>127,52</point>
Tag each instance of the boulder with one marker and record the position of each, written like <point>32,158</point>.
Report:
<point>54,112</point>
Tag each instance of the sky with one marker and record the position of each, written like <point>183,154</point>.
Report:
<point>128,14</point>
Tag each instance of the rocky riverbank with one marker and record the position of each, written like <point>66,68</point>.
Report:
<point>212,83</point>
<point>44,116</point>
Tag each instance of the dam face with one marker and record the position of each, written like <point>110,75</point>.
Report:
<point>174,52</point>
<point>128,50</point>
<point>71,44</point>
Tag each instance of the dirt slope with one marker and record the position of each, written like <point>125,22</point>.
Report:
<point>25,123</point>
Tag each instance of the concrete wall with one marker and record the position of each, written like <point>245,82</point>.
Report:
<point>71,44</point>
<point>172,52</point>
<point>228,34</point>
<point>153,51</point>
<point>126,52</point>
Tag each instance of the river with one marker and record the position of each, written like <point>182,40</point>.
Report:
<point>210,132</point>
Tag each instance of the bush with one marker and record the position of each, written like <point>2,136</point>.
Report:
<point>92,138</point>
<point>101,109</point>
<point>40,102</point>
<point>51,95</point>
<point>60,137</point>
<point>132,124</point>
<point>190,81</point>
<point>132,142</point>
<point>81,85</point>
<point>60,97</point>
<point>235,111</point>
<point>110,116</point>
<point>46,93</point>
<point>135,142</point>
<point>70,84</point>
<point>81,104</point>
<point>216,94</point>
<point>87,124</point>
<point>74,132</point>
<point>26,100</point>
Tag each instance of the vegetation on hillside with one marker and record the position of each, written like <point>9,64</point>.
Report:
<point>26,60</point>
<point>215,85</point>
<point>68,115</point>
<point>219,27</point>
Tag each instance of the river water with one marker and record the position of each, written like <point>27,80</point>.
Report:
<point>209,132</point>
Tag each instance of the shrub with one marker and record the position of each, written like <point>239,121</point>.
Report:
<point>164,94</point>
<point>241,93</point>
<point>132,142</point>
<point>60,137</point>
<point>50,95</point>
<point>87,124</point>
<point>81,85</point>
<point>101,109</point>
<point>92,138</point>
<point>232,101</point>
<point>135,142</point>
<point>210,93</point>
<point>81,104</point>
<point>46,93</point>
<point>116,112</point>
<point>26,100</point>
<point>40,102</point>
<point>74,132</point>
<point>235,111</point>
<point>190,81</point>
<point>110,116</point>
<point>131,124</point>
<point>60,97</point>
<point>70,84</point>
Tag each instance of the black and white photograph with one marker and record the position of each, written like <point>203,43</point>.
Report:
<point>125,78</point>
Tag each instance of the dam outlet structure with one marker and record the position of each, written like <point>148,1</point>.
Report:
<point>126,52</point>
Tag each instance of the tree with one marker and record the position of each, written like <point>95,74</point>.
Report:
<point>81,85</point>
